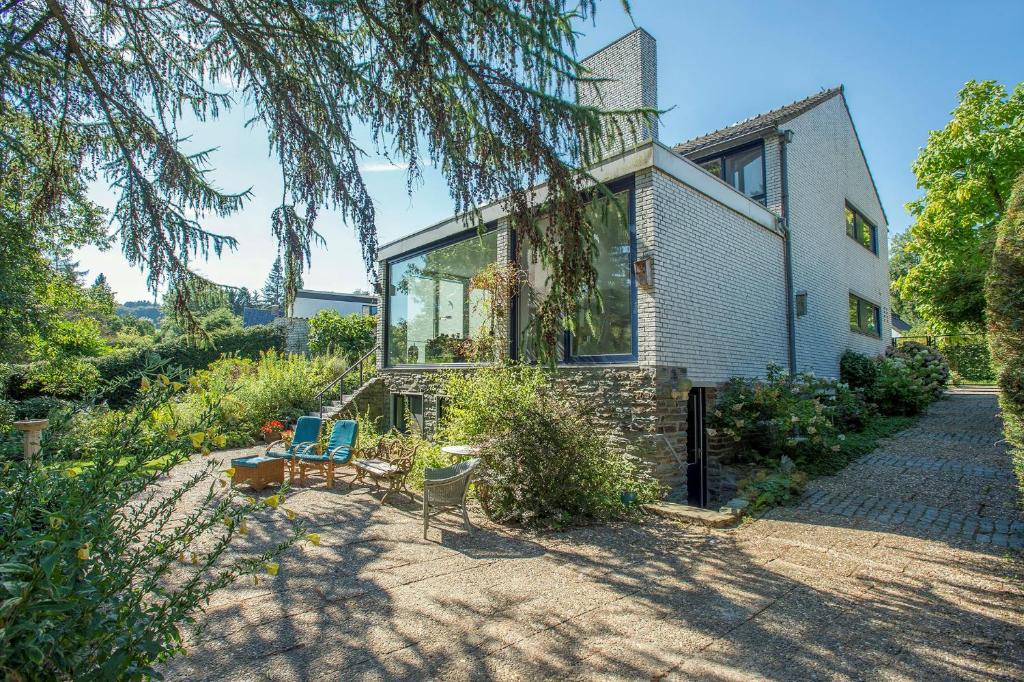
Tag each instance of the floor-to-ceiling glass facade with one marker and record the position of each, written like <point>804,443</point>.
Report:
<point>434,313</point>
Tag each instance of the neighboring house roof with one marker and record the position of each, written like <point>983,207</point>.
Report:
<point>336,296</point>
<point>754,124</point>
<point>251,316</point>
<point>899,324</point>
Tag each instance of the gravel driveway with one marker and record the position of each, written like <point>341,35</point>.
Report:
<point>897,568</point>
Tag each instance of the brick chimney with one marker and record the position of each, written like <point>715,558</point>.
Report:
<point>631,66</point>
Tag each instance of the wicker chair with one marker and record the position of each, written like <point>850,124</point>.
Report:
<point>446,489</point>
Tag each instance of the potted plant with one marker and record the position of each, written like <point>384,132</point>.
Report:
<point>272,431</point>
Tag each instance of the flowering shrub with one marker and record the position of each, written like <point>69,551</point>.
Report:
<point>273,426</point>
<point>785,415</point>
<point>903,382</point>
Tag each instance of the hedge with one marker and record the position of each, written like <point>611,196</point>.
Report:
<point>180,352</point>
<point>1004,299</point>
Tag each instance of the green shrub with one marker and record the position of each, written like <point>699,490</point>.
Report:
<point>63,377</point>
<point>857,370</point>
<point>348,335</point>
<point>248,393</point>
<point>772,489</point>
<point>898,390</point>
<point>1004,299</point>
<point>39,407</point>
<point>544,461</point>
<point>185,353</point>
<point>785,415</point>
<point>102,564</point>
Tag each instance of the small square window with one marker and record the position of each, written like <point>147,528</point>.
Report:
<point>861,230</point>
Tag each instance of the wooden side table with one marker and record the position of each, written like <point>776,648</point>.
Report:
<point>258,472</point>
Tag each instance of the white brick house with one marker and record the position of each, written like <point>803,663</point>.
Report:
<point>746,232</point>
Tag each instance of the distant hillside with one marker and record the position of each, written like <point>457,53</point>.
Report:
<point>140,309</point>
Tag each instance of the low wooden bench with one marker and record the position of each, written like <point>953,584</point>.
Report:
<point>390,463</point>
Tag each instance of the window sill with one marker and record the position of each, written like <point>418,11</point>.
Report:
<point>877,337</point>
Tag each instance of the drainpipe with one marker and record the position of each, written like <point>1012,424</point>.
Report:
<point>785,137</point>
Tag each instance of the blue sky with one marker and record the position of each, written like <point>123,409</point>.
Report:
<point>719,62</point>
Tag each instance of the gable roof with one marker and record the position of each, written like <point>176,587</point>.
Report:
<point>753,124</point>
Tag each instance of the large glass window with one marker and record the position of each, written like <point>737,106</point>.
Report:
<point>604,330</point>
<point>861,230</point>
<point>742,168</point>
<point>434,313</point>
<point>865,317</point>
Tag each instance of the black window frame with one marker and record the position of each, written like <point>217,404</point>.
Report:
<point>398,415</point>
<point>628,185</point>
<point>731,151</point>
<point>861,328</point>
<point>860,219</point>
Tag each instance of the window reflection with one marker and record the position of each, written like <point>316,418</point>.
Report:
<point>434,314</point>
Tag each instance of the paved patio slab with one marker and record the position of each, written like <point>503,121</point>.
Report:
<point>890,570</point>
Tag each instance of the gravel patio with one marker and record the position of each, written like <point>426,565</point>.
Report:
<point>898,568</point>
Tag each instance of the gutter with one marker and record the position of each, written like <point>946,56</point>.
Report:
<point>785,137</point>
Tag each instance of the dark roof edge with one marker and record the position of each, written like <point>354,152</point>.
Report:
<point>871,176</point>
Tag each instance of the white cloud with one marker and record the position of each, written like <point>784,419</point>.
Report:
<point>381,167</point>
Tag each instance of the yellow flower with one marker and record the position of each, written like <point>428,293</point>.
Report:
<point>251,499</point>
<point>314,538</point>
<point>220,441</point>
<point>171,434</point>
<point>273,501</point>
<point>222,482</point>
<point>272,568</point>
<point>243,527</point>
<point>72,472</point>
<point>164,380</point>
<point>144,384</point>
<point>83,552</point>
<point>197,438</point>
<point>195,558</point>
<point>290,514</point>
<point>177,385</point>
<point>230,471</point>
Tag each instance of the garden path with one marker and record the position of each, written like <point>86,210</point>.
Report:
<point>896,568</point>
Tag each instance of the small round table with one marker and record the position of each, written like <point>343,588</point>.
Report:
<point>461,450</point>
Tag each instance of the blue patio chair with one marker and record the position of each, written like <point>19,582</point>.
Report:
<point>340,447</point>
<point>305,437</point>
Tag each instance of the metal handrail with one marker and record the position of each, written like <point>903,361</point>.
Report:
<point>357,365</point>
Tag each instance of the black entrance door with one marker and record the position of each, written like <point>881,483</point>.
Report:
<point>696,450</point>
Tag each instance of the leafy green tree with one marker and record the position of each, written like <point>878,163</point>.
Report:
<point>44,216</point>
<point>966,170</point>
<point>482,91</point>
<point>901,259</point>
<point>350,335</point>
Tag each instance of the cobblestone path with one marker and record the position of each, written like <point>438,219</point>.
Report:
<point>949,477</point>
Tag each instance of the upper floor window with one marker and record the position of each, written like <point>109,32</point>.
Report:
<point>865,317</point>
<point>742,168</point>
<point>861,230</point>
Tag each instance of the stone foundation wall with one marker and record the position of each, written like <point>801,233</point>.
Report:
<point>634,407</point>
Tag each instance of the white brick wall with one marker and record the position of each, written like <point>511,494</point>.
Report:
<point>826,168</point>
<point>719,287</point>
<point>630,65</point>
